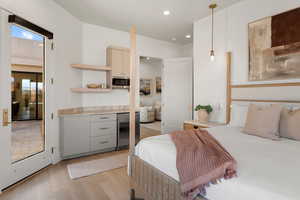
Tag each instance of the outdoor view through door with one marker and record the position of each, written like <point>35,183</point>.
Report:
<point>27,93</point>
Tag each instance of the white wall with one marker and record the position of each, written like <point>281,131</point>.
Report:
<point>150,70</point>
<point>187,50</point>
<point>96,39</point>
<point>231,28</point>
<point>67,38</point>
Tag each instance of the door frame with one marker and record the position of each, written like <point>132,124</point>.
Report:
<point>11,173</point>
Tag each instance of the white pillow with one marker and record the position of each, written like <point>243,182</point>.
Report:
<point>238,115</point>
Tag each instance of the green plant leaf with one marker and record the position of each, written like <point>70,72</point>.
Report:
<point>208,108</point>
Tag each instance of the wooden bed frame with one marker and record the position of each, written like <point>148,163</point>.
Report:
<point>149,183</point>
<point>146,181</point>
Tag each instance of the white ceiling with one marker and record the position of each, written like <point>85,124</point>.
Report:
<point>147,15</point>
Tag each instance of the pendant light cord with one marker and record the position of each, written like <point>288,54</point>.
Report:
<point>212,29</point>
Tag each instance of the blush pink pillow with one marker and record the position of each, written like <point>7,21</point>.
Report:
<point>263,121</point>
<point>290,124</point>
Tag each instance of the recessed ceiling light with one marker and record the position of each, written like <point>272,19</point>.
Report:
<point>167,12</point>
<point>174,39</point>
<point>188,36</point>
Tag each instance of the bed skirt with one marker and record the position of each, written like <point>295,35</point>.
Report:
<point>149,183</point>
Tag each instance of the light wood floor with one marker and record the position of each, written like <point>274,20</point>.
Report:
<point>156,126</point>
<point>54,183</point>
<point>147,132</point>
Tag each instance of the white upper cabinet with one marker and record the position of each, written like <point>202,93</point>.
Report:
<point>119,59</point>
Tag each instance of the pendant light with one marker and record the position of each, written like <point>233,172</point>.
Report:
<point>212,52</point>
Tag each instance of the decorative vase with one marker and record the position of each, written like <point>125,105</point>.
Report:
<point>202,116</point>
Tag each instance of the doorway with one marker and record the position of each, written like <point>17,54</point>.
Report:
<point>27,96</point>
<point>150,92</point>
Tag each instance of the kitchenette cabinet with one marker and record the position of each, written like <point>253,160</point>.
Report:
<point>119,60</point>
<point>74,139</point>
<point>87,134</point>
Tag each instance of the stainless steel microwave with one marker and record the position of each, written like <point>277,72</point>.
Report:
<point>121,83</point>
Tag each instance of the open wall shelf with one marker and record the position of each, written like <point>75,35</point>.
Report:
<point>108,82</point>
<point>88,90</point>
<point>91,67</point>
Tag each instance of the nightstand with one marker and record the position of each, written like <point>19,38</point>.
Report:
<point>194,125</point>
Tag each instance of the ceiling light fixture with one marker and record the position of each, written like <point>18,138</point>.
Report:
<point>148,58</point>
<point>212,51</point>
<point>188,36</point>
<point>167,12</point>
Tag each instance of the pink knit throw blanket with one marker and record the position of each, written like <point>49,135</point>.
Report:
<point>201,160</point>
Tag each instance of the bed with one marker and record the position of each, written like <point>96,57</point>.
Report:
<point>267,170</point>
<point>260,162</point>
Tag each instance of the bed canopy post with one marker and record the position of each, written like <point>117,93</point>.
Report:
<point>132,94</point>
<point>229,88</point>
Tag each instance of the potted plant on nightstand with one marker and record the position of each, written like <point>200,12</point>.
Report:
<point>203,112</point>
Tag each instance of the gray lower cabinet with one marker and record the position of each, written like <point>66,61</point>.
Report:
<point>87,134</point>
<point>75,132</point>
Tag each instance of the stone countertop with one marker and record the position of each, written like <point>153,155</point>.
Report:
<point>94,110</point>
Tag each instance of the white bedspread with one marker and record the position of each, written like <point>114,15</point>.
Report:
<point>267,170</point>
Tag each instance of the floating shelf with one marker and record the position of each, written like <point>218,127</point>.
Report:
<point>88,90</point>
<point>91,67</point>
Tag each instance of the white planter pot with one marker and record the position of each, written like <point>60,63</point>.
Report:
<point>202,116</point>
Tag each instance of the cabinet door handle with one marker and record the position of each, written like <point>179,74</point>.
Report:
<point>103,128</point>
<point>104,118</point>
<point>105,142</point>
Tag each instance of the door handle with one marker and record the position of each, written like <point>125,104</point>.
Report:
<point>5,121</point>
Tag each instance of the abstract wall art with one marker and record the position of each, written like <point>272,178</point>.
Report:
<point>274,47</point>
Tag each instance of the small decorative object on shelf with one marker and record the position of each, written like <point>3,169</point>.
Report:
<point>103,86</point>
<point>93,86</point>
<point>203,112</point>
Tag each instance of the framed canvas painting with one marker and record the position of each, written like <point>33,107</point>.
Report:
<point>145,87</point>
<point>158,84</point>
<point>274,47</point>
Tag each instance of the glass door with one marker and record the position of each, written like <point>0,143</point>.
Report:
<point>27,114</point>
<point>24,145</point>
